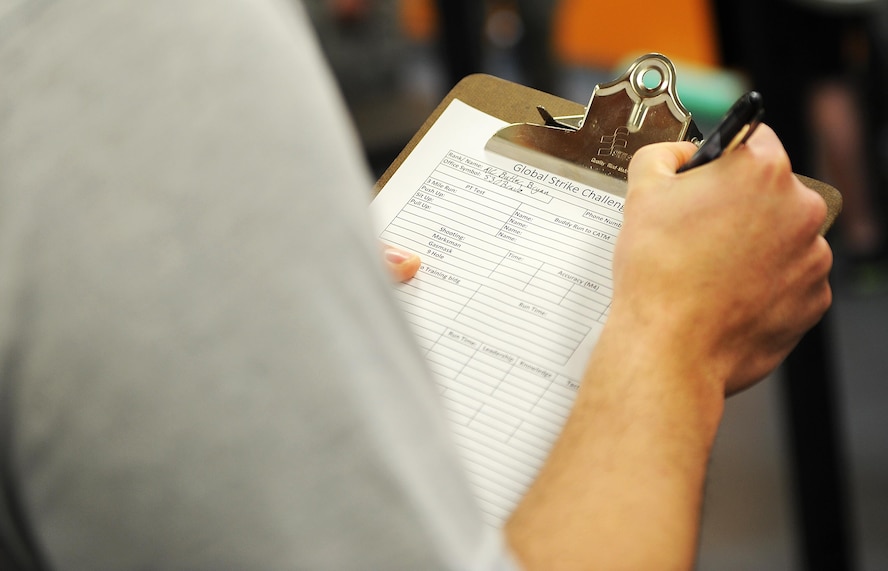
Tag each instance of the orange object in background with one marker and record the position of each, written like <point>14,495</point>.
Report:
<point>419,19</point>
<point>605,33</point>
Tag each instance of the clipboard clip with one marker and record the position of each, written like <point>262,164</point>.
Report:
<point>623,115</point>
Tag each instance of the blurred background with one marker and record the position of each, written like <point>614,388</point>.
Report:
<point>799,476</point>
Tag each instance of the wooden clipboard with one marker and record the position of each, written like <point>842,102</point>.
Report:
<point>518,104</point>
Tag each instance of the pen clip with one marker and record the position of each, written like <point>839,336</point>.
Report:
<point>745,132</point>
<point>733,130</point>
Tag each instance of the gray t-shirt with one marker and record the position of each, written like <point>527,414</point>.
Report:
<point>201,364</point>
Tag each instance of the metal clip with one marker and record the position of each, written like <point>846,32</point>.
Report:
<point>622,116</point>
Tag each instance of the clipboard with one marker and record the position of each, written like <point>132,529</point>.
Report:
<point>563,136</point>
<point>508,254</point>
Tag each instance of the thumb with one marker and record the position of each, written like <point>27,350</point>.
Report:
<point>659,159</point>
<point>401,264</point>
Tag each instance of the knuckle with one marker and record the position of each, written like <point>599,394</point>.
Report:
<point>816,209</point>
<point>772,159</point>
<point>825,256</point>
<point>824,300</point>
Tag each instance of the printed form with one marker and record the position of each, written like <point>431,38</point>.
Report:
<point>513,291</point>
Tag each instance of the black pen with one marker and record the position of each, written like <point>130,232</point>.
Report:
<point>734,129</point>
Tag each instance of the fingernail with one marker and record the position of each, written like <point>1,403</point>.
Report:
<point>396,256</point>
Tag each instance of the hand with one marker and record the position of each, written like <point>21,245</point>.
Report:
<point>724,262</point>
<point>718,271</point>
<point>401,264</point>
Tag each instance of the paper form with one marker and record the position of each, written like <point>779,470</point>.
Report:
<point>512,293</point>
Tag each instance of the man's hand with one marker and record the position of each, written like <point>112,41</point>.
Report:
<point>717,273</point>
<point>726,259</point>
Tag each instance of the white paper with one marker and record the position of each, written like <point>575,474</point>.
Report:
<point>511,296</point>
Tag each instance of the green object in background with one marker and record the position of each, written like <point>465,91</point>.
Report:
<point>708,93</point>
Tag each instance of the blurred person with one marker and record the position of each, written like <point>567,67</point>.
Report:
<point>822,87</point>
<point>462,32</point>
<point>816,83</point>
<point>363,43</point>
<point>203,366</point>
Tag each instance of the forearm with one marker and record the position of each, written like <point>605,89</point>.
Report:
<point>623,486</point>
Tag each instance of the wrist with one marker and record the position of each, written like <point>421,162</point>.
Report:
<point>663,358</point>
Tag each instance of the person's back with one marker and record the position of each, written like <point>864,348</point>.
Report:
<point>201,367</point>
